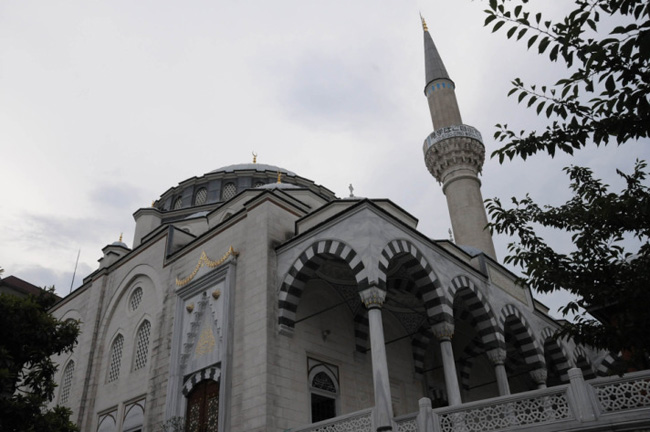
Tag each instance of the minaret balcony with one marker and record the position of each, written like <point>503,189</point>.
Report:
<point>453,148</point>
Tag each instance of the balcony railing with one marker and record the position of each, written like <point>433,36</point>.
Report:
<point>612,403</point>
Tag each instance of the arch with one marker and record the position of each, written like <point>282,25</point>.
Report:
<point>606,366</point>
<point>420,343</point>
<point>66,382</point>
<point>556,353</point>
<point>426,282</point>
<point>133,417</point>
<point>479,308</point>
<point>530,350</point>
<point>304,268</point>
<point>212,373</point>
<point>141,351</point>
<point>115,358</point>
<point>472,350</point>
<point>361,331</point>
<point>581,361</point>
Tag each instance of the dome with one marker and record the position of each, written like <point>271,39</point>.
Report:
<point>253,166</point>
<point>277,185</point>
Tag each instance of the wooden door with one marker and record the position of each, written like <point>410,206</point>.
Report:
<point>202,413</point>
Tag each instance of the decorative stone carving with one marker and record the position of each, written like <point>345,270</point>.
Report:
<point>443,330</point>
<point>454,147</point>
<point>497,356</point>
<point>190,307</point>
<point>539,376</point>
<point>373,297</point>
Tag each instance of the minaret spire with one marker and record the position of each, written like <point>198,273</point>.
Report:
<point>454,154</point>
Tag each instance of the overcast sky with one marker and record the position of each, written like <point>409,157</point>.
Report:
<point>104,105</point>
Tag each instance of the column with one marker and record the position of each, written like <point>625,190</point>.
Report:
<point>539,376</point>
<point>498,357</point>
<point>374,298</point>
<point>444,331</point>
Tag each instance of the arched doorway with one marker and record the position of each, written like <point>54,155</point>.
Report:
<point>203,407</point>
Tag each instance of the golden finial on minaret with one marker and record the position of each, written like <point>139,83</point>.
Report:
<point>424,23</point>
<point>121,237</point>
<point>279,177</point>
<point>254,157</point>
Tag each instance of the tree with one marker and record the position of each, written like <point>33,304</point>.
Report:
<point>605,46</point>
<point>29,336</point>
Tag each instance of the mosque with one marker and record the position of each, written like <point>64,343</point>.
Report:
<point>253,299</point>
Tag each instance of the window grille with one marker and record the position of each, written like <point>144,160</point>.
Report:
<point>116,359</point>
<point>229,191</point>
<point>136,298</point>
<point>201,196</point>
<point>178,204</point>
<point>142,345</point>
<point>66,383</point>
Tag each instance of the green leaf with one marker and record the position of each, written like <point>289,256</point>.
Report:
<point>531,41</point>
<point>498,25</point>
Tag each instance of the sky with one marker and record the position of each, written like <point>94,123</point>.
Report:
<point>104,105</point>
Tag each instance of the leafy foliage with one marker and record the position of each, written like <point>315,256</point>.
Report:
<point>29,335</point>
<point>605,46</point>
<point>599,270</point>
<point>606,95</point>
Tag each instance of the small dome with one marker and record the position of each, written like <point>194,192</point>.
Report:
<point>119,243</point>
<point>470,250</point>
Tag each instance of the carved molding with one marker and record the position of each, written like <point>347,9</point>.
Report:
<point>454,147</point>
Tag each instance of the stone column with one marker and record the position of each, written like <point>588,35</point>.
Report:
<point>444,331</point>
<point>498,357</point>
<point>539,376</point>
<point>374,298</point>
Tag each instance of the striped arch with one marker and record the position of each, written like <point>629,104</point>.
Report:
<point>486,324</point>
<point>426,282</point>
<point>361,330</point>
<point>530,350</point>
<point>606,366</point>
<point>304,268</point>
<point>556,353</point>
<point>212,373</point>
<point>420,343</point>
<point>580,360</point>
<point>474,349</point>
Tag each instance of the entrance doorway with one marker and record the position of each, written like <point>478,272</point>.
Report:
<point>203,407</point>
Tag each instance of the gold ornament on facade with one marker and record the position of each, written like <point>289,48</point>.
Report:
<point>254,157</point>
<point>205,261</point>
<point>216,294</point>
<point>190,307</point>
<point>279,177</point>
<point>206,342</point>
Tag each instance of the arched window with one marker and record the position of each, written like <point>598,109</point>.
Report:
<point>66,382</point>
<point>178,204</point>
<point>142,346</point>
<point>324,389</point>
<point>229,190</point>
<point>115,359</point>
<point>201,196</point>
<point>202,413</point>
<point>136,298</point>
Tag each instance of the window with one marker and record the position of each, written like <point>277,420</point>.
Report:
<point>201,196</point>
<point>229,190</point>
<point>259,184</point>
<point>115,359</point>
<point>142,345</point>
<point>136,298</point>
<point>324,389</point>
<point>66,382</point>
<point>178,204</point>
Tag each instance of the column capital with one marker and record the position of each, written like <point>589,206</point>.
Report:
<point>497,356</point>
<point>539,376</point>
<point>373,297</point>
<point>443,330</point>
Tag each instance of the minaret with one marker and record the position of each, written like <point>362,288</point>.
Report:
<point>454,154</point>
